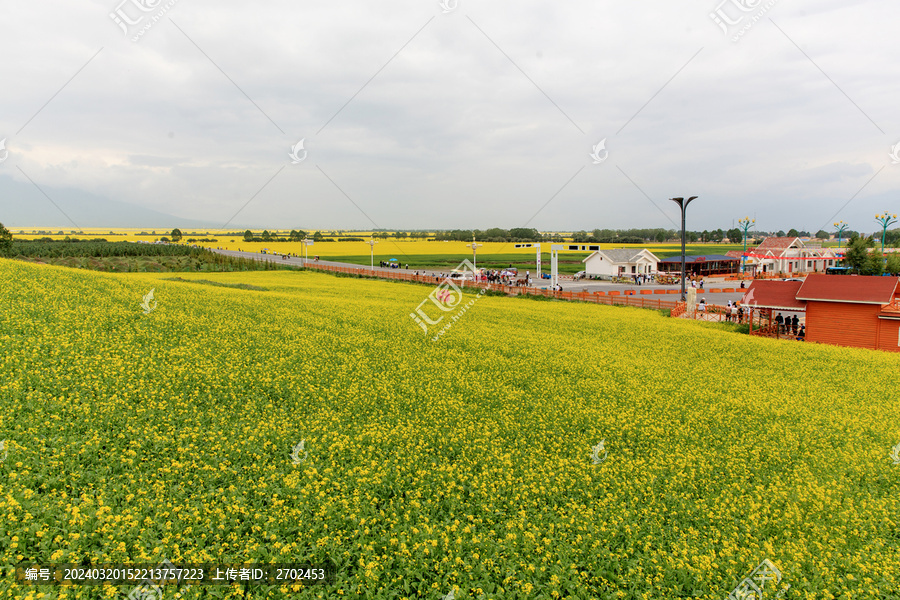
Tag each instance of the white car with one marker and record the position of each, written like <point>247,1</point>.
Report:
<point>580,275</point>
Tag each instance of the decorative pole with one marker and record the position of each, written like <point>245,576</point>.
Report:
<point>371,244</point>
<point>841,228</point>
<point>474,248</point>
<point>886,221</point>
<point>306,243</point>
<point>745,224</point>
<point>683,204</point>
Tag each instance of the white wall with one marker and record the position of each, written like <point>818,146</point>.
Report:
<point>598,265</point>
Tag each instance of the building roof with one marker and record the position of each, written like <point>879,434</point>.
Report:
<point>623,255</point>
<point>778,243</point>
<point>734,253</point>
<point>848,288</point>
<point>700,259</point>
<point>779,295</point>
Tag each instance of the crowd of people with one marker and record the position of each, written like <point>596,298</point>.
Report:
<point>790,326</point>
<point>386,264</point>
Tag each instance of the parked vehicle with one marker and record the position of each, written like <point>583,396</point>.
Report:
<point>457,275</point>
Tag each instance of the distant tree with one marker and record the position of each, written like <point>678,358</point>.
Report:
<point>780,233</point>
<point>823,235</point>
<point>874,264</point>
<point>176,235</point>
<point>521,233</point>
<point>164,239</point>
<point>248,236</point>
<point>736,236</point>
<point>6,240</point>
<point>793,233</point>
<point>661,237</point>
<point>691,236</point>
<point>266,236</point>
<point>892,238</point>
<point>858,253</point>
<point>893,263</point>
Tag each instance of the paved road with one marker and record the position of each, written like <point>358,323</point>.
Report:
<point>567,284</point>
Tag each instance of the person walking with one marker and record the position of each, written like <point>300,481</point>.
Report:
<point>779,321</point>
<point>795,324</point>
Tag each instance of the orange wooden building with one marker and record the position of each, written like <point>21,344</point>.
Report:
<point>848,310</point>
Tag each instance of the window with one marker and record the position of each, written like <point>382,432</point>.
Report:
<point>809,264</point>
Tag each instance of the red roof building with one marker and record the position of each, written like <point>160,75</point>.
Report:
<point>862,312</point>
<point>790,255</point>
<point>776,295</point>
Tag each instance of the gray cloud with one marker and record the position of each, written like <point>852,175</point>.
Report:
<point>475,118</point>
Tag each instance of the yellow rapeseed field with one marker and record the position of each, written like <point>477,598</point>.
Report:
<point>461,465</point>
<point>384,249</point>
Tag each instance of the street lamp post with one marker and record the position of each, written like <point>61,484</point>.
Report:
<point>745,223</point>
<point>886,221</point>
<point>371,244</point>
<point>682,204</point>
<point>474,248</point>
<point>840,227</point>
<point>306,243</point>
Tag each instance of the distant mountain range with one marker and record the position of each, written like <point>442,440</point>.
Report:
<point>23,205</point>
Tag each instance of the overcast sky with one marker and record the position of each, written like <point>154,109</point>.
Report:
<point>470,114</point>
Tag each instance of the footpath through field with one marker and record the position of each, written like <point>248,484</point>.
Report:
<point>717,293</point>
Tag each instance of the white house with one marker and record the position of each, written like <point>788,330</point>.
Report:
<point>620,262</point>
